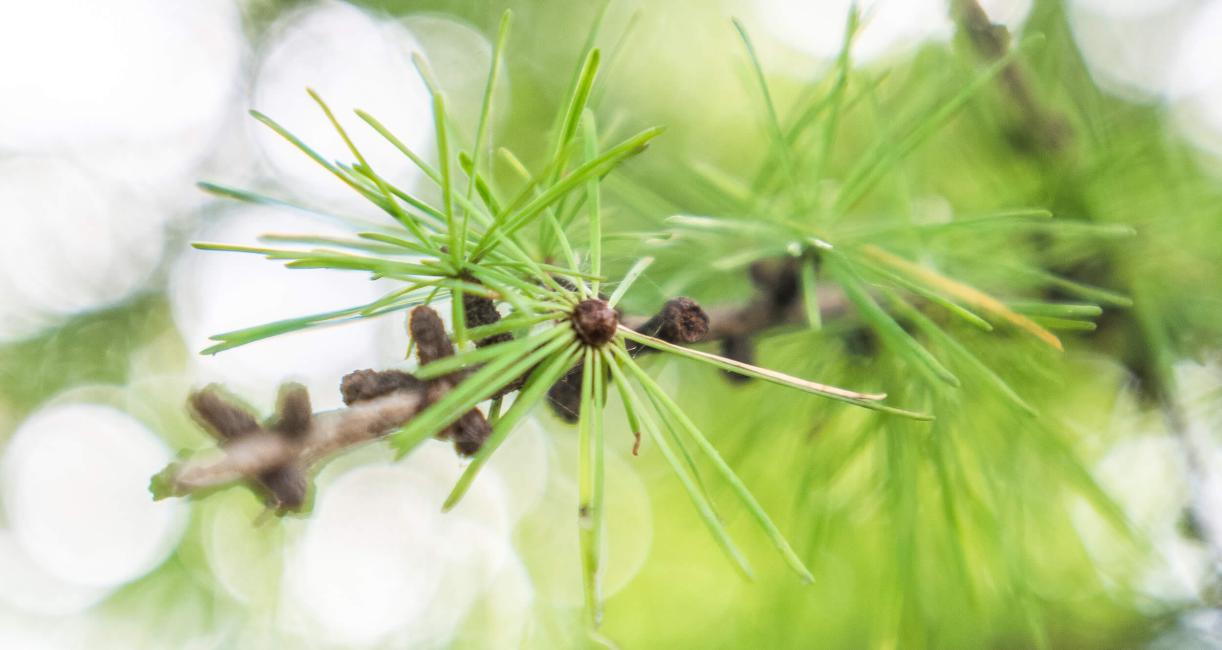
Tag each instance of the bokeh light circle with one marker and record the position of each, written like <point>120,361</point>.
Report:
<point>215,292</point>
<point>352,60</point>
<point>379,562</point>
<point>76,494</point>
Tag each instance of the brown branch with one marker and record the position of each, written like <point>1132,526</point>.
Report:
<point>1045,129</point>
<point>264,450</point>
<point>776,303</point>
<point>278,457</point>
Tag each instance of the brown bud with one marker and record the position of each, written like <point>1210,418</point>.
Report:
<point>285,486</point>
<point>594,321</point>
<point>777,279</point>
<point>293,413</point>
<point>469,432</point>
<point>564,396</point>
<point>480,310</point>
<point>219,417</point>
<point>429,333</point>
<point>680,321</point>
<point>361,385</point>
<point>738,348</point>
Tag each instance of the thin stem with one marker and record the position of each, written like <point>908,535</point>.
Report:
<point>593,202</point>
<point>585,496</point>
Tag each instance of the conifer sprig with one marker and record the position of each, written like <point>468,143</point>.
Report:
<point>479,256</point>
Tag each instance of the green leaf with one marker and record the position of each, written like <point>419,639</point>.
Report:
<point>780,146</point>
<point>541,379</point>
<point>810,297</point>
<point>475,388</point>
<point>465,359</point>
<point>591,169</point>
<point>589,471</point>
<point>903,343</point>
<point>629,279</point>
<point>965,356</point>
<point>933,296</point>
<point>485,110</point>
<point>865,400</point>
<point>888,154</point>
<point>748,499</point>
<point>593,201</point>
<point>697,496</point>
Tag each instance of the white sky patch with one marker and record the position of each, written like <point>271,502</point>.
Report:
<point>214,292</point>
<point>20,630</point>
<point>1158,50</point>
<point>1010,13</point>
<point>1127,8</point>
<point>70,242</point>
<point>75,487</point>
<point>1129,472</point>
<point>352,60</point>
<point>134,67</point>
<point>889,27</point>
<point>1196,80</point>
<point>1148,476</point>
<point>1131,54</point>
<point>27,587</point>
<point>134,89</point>
<point>108,109</point>
<point>1195,68</point>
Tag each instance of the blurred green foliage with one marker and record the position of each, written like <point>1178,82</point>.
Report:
<point>962,533</point>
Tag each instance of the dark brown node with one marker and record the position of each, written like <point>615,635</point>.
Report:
<point>293,413</point>
<point>564,396</point>
<point>429,333</point>
<point>219,417</point>
<point>680,321</point>
<point>741,349</point>
<point>361,385</point>
<point>479,311</point>
<point>285,487</point>
<point>470,432</point>
<point>861,341</point>
<point>777,279</point>
<point>595,322</point>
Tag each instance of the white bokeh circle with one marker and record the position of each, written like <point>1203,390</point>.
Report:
<point>1131,55</point>
<point>76,494</point>
<point>379,562</point>
<point>459,56</point>
<point>1126,8</point>
<point>1196,81</point>
<point>548,536</point>
<point>215,292</point>
<point>134,69</point>
<point>139,95</point>
<point>71,242</point>
<point>27,587</point>
<point>353,60</point>
<point>888,27</point>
